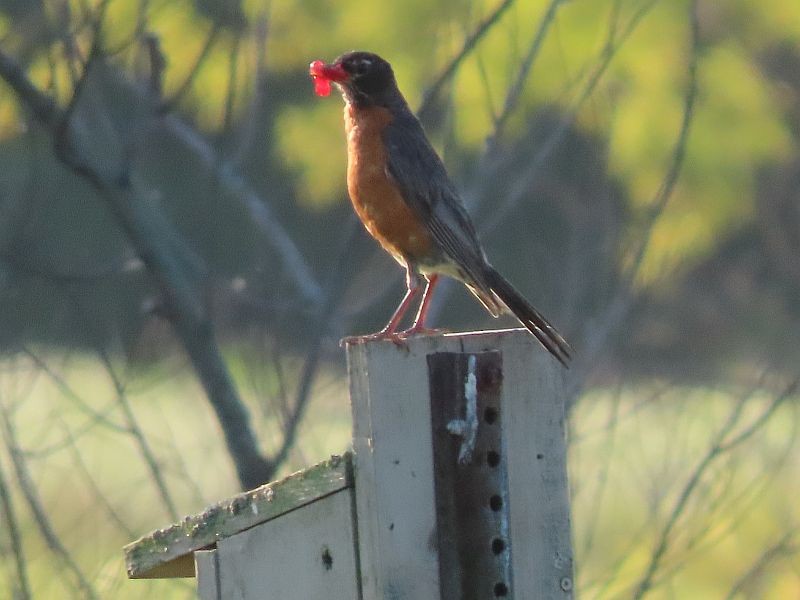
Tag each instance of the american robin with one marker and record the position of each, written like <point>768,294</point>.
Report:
<point>401,192</point>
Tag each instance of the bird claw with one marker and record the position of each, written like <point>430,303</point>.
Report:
<point>413,331</point>
<point>398,338</point>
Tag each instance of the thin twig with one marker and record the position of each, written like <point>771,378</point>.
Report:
<point>248,128</point>
<point>333,289</point>
<point>490,163</point>
<point>603,474</point>
<point>469,45</point>
<point>232,183</point>
<point>31,494</point>
<point>169,104</point>
<point>80,464</point>
<point>23,592</point>
<point>523,74</point>
<point>721,445</point>
<point>139,436</point>
<point>784,546</point>
<point>522,184</point>
<point>67,391</point>
<point>228,179</point>
<point>157,64</point>
<point>233,76</point>
<point>622,301</point>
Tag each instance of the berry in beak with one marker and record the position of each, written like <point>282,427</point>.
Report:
<point>323,75</point>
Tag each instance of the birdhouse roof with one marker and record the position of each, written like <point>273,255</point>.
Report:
<point>169,552</point>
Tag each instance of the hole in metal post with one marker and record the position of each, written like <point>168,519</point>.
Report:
<point>327,558</point>
<point>492,458</point>
<point>495,503</point>
<point>490,414</point>
<point>498,545</point>
<point>500,589</point>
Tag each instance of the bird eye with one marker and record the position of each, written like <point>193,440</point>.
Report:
<point>362,66</point>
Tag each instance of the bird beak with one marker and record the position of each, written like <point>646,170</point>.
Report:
<point>334,72</point>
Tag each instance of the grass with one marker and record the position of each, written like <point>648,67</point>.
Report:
<point>634,452</point>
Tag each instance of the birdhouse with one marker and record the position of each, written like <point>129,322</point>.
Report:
<point>455,488</point>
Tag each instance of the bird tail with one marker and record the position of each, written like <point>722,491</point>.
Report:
<point>531,318</point>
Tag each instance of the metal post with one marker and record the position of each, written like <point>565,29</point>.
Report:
<point>470,476</point>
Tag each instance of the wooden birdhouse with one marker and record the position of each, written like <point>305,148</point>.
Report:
<point>455,488</point>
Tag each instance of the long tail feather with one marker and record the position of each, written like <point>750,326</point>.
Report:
<point>531,318</point>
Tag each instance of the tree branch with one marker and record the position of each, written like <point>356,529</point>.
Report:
<point>469,44</point>
<point>523,73</point>
<point>721,445</point>
<point>31,494</point>
<point>152,238</point>
<point>15,539</point>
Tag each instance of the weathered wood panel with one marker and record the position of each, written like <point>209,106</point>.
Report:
<point>395,494</point>
<point>306,554</point>
<point>207,572</point>
<point>394,471</point>
<point>146,556</point>
<point>533,419</point>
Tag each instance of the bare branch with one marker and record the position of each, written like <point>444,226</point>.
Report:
<point>138,435</point>
<point>719,446</point>
<point>157,64</point>
<point>490,162</point>
<point>79,463</point>
<point>785,546</point>
<point>67,391</point>
<point>324,319</point>
<point>619,306</point>
<point>23,592</point>
<point>233,184</point>
<point>154,240</point>
<point>230,95</point>
<point>248,129</point>
<point>523,73</point>
<point>169,104</point>
<point>43,107</point>
<point>469,44</point>
<point>31,494</point>
<point>522,184</point>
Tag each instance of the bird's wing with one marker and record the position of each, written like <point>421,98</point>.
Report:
<point>419,173</point>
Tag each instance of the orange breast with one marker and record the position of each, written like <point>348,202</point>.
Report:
<point>375,198</point>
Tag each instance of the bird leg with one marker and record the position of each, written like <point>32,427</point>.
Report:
<point>413,288</point>
<point>400,312</point>
<point>418,326</point>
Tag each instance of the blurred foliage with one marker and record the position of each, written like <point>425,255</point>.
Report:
<point>289,144</point>
<point>717,291</point>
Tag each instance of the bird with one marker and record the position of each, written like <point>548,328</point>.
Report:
<point>400,190</point>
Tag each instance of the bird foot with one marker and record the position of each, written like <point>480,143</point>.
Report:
<point>413,331</point>
<point>396,337</point>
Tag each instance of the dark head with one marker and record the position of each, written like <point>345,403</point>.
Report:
<point>363,78</point>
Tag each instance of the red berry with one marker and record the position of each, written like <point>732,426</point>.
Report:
<point>322,85</point>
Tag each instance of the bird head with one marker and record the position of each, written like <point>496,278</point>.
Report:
<point>362,77</point>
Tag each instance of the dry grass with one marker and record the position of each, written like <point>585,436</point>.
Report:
<point>632,454</point>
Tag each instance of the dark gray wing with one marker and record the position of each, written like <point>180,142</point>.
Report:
<point>423,181</point>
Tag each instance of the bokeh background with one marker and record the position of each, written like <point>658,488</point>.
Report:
<point>178,260</point>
